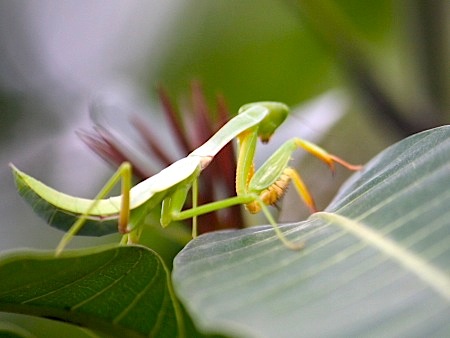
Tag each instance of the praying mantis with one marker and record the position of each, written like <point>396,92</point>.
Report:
<point>256,189</point>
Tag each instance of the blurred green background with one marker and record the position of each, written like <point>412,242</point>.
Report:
<point>384,63</point>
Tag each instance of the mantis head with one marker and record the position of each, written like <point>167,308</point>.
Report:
<point>275,117</point>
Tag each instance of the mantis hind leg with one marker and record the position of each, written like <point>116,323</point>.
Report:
<point>122,174</point>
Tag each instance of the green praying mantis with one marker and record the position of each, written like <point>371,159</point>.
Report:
<point>170,187</point>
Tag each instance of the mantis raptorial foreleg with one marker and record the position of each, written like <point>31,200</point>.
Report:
<point>274,176</point>
<point>271,180</point>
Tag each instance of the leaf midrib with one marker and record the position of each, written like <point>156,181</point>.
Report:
<point>424,270</point>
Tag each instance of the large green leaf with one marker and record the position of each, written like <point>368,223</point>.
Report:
<point>124,291</point>
<point>376,261</point>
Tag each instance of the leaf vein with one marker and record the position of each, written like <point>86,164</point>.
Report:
<point>436,279</point>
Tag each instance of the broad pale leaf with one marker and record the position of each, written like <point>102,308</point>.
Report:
<point>376,262</point>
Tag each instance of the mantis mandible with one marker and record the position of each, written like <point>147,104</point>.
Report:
<point>169,188</point>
